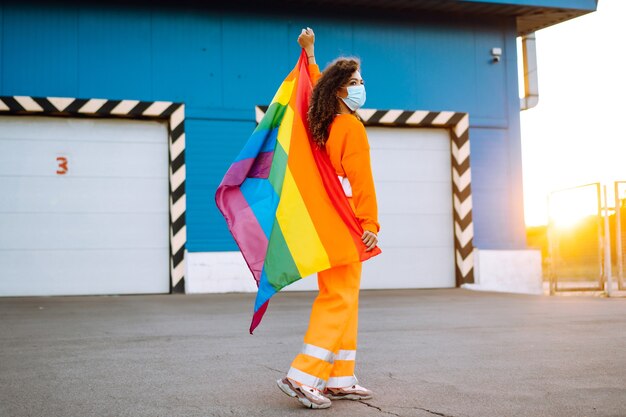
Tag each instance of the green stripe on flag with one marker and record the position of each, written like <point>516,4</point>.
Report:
<point>279,167</point>
<point>279,266</point>
<point>273,117</point>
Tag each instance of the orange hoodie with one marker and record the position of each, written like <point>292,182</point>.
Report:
<point>349,153</point>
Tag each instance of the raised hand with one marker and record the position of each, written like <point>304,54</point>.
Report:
<point>307,39</point>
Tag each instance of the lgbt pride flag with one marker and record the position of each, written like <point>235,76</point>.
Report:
<point>283,202</point>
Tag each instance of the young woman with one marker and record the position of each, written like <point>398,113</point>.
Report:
<point>324,369</point>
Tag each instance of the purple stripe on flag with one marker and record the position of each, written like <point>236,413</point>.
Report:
<point>258,167</point>
<point>237,172</point>
<point>262,165</point>
<point>244,227</point>
<point>257,316</point>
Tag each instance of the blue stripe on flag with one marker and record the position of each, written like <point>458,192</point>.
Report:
<point>266,291</point>
<point>263,201</point>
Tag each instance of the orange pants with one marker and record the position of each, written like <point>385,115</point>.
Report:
<point>329,351</point>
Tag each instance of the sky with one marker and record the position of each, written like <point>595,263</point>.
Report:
<point>577,133</point>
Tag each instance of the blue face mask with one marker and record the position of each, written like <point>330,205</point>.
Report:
<point>356,97</point>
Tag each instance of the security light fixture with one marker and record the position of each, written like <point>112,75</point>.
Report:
<point>496,53</point>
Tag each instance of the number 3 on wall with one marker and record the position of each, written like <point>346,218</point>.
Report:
<point>62,165</point>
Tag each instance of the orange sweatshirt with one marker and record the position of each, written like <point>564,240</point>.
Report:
<point>349,153</point>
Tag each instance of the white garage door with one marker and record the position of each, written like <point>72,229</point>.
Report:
<point>413,178</point>
<point>84,207</point>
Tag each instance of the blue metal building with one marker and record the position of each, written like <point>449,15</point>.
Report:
<point>221,62</point>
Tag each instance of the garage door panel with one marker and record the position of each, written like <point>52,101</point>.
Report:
<point>80,272</point>
<point>408,139</point>
<point>83,230</point>
<point>412,164</point>
<point>413,178</point>
<point>412,268</point>
<point>415,231</point>
<point>102,227</point>
<point>395,197</point>
<point>84,159</point>
<point>83,129</point>
<point>70,194</point>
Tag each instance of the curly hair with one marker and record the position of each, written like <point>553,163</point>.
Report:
<point>324,104</point>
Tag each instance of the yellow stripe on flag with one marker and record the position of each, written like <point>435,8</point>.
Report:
<point>298,230</point>
<point>283,95</point>
<point>284,131</point>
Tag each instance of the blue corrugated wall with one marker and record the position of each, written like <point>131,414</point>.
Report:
<point>221,64</point>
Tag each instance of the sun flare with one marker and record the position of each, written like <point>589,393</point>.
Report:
<point>567,207</point>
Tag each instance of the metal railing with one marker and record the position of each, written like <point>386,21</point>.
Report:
<point>587,254</point>
<point>576,258</point>
<point>620,231</point>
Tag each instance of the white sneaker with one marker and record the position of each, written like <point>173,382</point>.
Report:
<point>308,396</point>
<point>355,392</point>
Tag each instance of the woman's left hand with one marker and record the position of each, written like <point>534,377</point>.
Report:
<point>307,40</point>
<point>370,239</point>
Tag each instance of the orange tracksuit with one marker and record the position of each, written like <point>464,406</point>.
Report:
<point>328,356</point>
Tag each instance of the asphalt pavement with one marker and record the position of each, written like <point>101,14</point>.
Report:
<point>431,352</point>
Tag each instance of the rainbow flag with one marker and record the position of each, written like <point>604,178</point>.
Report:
<point>283,202</point>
